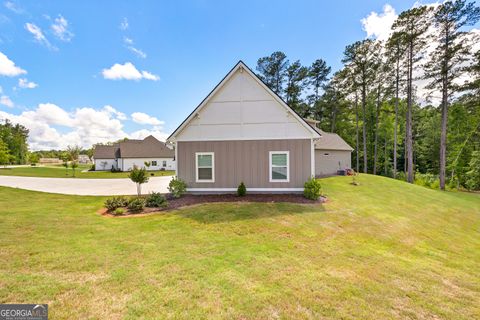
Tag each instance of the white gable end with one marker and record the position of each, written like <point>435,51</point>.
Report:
<point>243,109</point>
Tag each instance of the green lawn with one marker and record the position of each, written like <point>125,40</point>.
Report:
<point>381,250</point>
<point>60,172</point>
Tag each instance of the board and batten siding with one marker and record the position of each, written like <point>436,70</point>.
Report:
<point>245,160</point>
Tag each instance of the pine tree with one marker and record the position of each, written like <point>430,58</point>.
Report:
<point>271,70</point>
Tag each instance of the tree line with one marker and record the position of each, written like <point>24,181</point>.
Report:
<point>373,100</point>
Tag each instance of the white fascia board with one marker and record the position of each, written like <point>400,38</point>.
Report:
<point>248,189</point>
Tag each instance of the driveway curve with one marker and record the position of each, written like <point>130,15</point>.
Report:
<point>86,187</point>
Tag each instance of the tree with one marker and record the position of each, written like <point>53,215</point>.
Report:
<point>64,157</point>
<point>296,76</point>
<point>446,62</point>
<point>362,58</point>
<point>74,165</point>
<point>33,158</point>
<point>15,137</point>
<point>147,164</point>
<point>410,27</point>
<point>271,70</point>
<point>139,176</point>
<point>72,154</point>
<point>473,175</point>
<point>5,155</point>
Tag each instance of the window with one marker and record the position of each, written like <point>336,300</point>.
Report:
<point>164,163</point>
<point>204,163</point>
<point>279,166</point>
<point>326,154</point>
<point>154,163</point>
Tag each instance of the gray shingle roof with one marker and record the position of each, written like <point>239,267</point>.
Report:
<point>149,147</point>
<point>331,141</point>
<point>105,152</point>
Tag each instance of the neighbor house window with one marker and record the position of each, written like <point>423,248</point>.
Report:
<point>205,163</point>
<point>164,163</point>
<point>279,166</point>
<point>154,163</point>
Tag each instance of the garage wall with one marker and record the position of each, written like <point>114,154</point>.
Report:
<point>128,163</point>
<point>105,164</point>
<point>327,162</point>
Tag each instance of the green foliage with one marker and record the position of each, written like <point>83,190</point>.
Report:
<point>14,136</point>
<point>426,179</point>
<point>33,158</point>
<point>74,165</point>
<point>113,203</point>
<point>136,204</point>
<point>177,187</point>
<point>473,174</point>
<point>5,156</point>
<point>147,164</point>
<point>241,190</point>
<point>156,200</point>
<point>139,176</point>
<point>312,189</point>
<point>119,211</point>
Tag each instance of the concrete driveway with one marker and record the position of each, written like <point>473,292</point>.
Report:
<point>90,187</point>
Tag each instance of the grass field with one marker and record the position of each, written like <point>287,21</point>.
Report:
<point>381,250</point>
<point>60,172</point>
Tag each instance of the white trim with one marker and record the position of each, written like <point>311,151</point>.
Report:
<point>176,159</point>
<point>196,166</point>
<point>240,65</point>
<point>248,189</point>
<point>270,153</point>
<point>312,159</point>
<point>244,139</point>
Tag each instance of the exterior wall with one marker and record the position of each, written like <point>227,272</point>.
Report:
<point>109,163</point>
<point>247,161</point>
<point>242,109</point>
<point>329,164</point>
<point>128,163</point>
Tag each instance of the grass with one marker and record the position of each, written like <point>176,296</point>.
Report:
<point>60,172</point>
<point>381,250</point>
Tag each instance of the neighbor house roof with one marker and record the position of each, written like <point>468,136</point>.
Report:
<point>331,141</point>
<point>241,64</point>
<point>105,152</point>
<point>149,147</point>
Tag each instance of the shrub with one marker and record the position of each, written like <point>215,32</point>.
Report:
<point>119,211</point>
<point>156,200</point>
<point>177,187</point>
<point>312,189</point>
<point>241,190</point>
<point>116,202</point>
<point>139,176</point>
<point>136,204</point>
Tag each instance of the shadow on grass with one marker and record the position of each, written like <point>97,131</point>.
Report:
<point>227,212</point>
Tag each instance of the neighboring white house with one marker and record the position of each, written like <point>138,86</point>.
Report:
<point>125,155</point>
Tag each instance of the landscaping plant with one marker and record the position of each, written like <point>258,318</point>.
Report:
<point>156,200</point>
<point>115,202</point>
<point>119,211</point>
<point>312,189</point>
<point>139,176</point>
<point>136,204</point>
<point>241,190</point>
<point>177,187</point>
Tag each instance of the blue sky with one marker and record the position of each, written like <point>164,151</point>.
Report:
<point>184,48</point>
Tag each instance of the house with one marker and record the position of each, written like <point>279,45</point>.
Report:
<point>83,159</point>
<point>126,154</point>
<point>243,131</point>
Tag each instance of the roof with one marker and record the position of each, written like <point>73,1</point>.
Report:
<point>241,64</point>
<point>150,147</point>
<point>331,141</point>
<point>105,152</point>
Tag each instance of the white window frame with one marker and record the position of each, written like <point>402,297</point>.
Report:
<point>271,165</point>
<point>154,165</point>
<point>213,166</point>
<point>164,163</point>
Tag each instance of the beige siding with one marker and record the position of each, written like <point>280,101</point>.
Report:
<point>245,160</point>
<point>327,162</point>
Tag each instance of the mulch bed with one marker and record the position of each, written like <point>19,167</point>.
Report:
<point>190,200</point>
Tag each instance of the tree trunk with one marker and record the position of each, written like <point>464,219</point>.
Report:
<point>385,162</point>
<point>139,189</point>
<point>358,139</point>
<point>443,135</point>
<point>334,114</point>
<point>376,132</point>
<point>397,80</point>
<point>364,135</point>
<point>409,116</point>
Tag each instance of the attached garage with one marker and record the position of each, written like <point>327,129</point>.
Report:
<point>332,153</point>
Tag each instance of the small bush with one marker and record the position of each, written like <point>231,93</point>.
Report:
<point>312,189</point>
<point>119,211</point>
<point>241,190</point>
<point>116,202</point>
<point>177,187</point>
<point>156,200</point>
<point>136,204</point>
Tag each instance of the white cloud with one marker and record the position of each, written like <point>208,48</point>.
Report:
<point>5,100</point>
<point>379,25</point>
<point>127,40</point>
<point>51,127</point>
<point>129,44</point>
<point>25,84</point>
<point>38,35</point>
<point>127,71</point>
<point>143,118</point>
<point>60,29</point>
<point>124,24</point>
<point>8,67</point>
<point>12,6</point>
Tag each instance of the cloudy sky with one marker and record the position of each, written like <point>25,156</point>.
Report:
<point>96,71</point>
